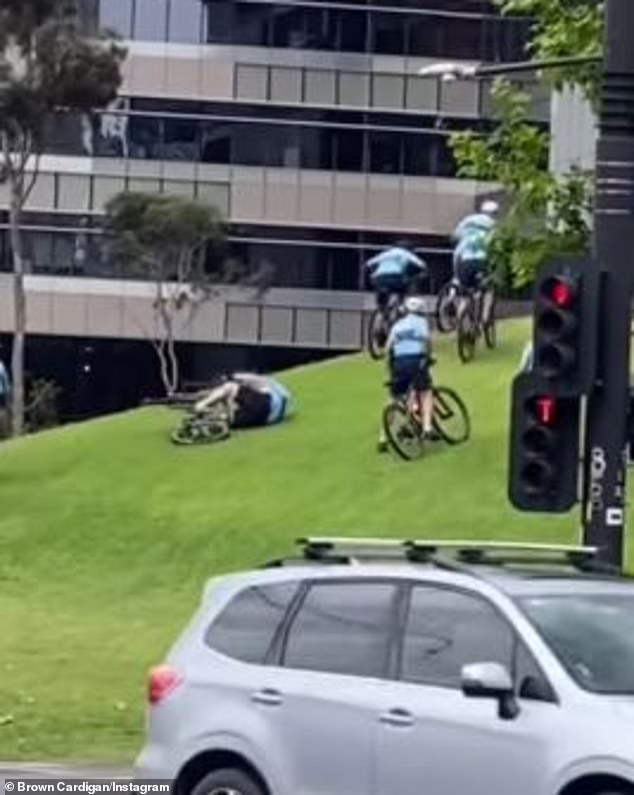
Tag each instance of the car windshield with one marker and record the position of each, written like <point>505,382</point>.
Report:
<point>592,635</point>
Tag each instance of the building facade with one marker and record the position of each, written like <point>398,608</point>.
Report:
<point>305,121</point>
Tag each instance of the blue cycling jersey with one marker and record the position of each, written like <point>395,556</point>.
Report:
<point>474,222</point>
<point>472,247</point>
<point>395,262</point>
<point>409,337</point>
<point>280,401</point>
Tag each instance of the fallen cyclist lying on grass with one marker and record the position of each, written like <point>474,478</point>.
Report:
<point>242,401</point>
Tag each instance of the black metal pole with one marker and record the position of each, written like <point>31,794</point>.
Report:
<point>605,461</point>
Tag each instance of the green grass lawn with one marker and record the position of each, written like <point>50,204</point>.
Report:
<point>108,532</point>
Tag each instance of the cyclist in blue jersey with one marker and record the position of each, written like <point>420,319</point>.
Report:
<point>252,401</point>
<point>409,352</point>
<point>392,272</point>
<point>472,238</point>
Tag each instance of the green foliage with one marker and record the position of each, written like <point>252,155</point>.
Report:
<point>564,28</point>
<point>164,238</point>
<point>545,215</point>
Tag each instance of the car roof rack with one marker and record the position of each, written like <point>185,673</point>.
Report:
<point>450,554</point>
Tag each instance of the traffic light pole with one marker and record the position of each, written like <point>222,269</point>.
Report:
<point>605,436</point>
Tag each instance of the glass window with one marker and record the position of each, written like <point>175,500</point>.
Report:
<point>116,15</point>
<point>181,139</point>
<point>352,31</point>
<point>216,142</point>
<point>317,147</point>
<point>150,20</point>
<point>343,628</point>
<point>349,150</point>
<point>593,636</point>
<point>239,23</point>
<point>246,627</point>
<point>416,154</point>
<point>385,152</point>
<point>185,20</point>
<point>388,33</point>
<point>146,137</point>
<point>447,630</point>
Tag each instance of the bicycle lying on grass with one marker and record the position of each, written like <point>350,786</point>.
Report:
<point>403,423</point>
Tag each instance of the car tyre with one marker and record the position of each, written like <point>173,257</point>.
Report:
<point>228,781</point>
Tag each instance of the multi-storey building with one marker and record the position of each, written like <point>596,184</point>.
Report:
<point>306,122</point>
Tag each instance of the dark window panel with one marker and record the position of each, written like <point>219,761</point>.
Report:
<point>349,150</point>
<point>245,629</point>
<point>416,154</point>
<point>317,147</point>
<point>385,152</point>
<point>240,23</point>
<point>447,630</point>
<point>146,137</point>
<point>388,33</point>
<point>181,139</point>
<point>352,31</point>
<point>342,629</point>
<point>216,142</point>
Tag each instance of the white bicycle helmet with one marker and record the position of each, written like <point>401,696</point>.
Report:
<point>415,305</point>
<point>490,207</point>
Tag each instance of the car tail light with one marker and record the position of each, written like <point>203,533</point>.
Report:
<point>162,680</point>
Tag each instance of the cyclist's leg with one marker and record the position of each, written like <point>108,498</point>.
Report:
<point>398,386</point>
<point>423,389</point>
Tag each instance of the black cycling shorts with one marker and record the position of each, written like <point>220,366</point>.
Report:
<point>409,372</point>
<point>471,272</point>
<point>253,408</point>
<point>388,285</point>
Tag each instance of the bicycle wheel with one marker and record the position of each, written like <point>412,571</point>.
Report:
<point>489,324</point>
<point>402,431</point>
<point>467,332</point>
<point>377,334</point>
<point>451,418</point>
<point>196,430</point>
<point>446,309</point>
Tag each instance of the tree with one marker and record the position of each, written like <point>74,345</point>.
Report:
<point>164,239</point>
<point>562,29</point>
<point>545,215</point>
<point>47,65</point>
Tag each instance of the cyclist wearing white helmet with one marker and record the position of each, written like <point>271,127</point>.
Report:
<point>409,352</point>
<point>472,237</point>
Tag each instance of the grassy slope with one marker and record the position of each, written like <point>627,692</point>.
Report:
<point>107,533</point>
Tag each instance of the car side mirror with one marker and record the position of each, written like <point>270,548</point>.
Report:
<point>491,680</point>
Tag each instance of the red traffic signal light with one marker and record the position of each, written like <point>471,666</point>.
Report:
<point>561,290</point>
<point>556,325</point>
<point>544,454</point>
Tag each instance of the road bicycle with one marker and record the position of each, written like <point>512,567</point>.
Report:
<point>402,421</point>
<point>381,321</point>
<point>475,318</point>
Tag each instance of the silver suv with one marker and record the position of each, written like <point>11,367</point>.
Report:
<point>402,668</point>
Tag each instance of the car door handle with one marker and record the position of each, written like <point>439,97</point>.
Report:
<point>267,697</point>
<point>397,717</point>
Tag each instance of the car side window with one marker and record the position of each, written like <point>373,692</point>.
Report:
<point>448,629</point>
<point>343,628</point>
<point>245,629</point>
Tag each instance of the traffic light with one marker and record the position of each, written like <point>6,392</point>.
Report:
<point>544,455</point>
<point>565,327</point>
